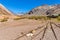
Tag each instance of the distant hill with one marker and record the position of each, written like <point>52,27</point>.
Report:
<point>45,10</point>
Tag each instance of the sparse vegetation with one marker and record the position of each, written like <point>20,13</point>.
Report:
<point>37,17</point>
<point>44,17</point>
<point>34,17</point>
<point>4,19</point>
<point>18,18</point>
<point>58,18</point>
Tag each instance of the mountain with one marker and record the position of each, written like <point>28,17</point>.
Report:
<point>45,10</point>
<point>4,12</point>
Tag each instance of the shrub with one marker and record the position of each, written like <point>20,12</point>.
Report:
<point>58,18</point>
<point>59,15</point>
<point>37,17</point>
<point>3,20</point>
<point>33,17</point>
<point>18,18</point>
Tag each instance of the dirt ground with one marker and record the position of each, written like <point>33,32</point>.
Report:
<point>12,29</point>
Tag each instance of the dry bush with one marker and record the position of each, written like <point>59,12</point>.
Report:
<point>58,18</point>
<point>4,19</point>
<point>18,18</point>
<point>37,17</point>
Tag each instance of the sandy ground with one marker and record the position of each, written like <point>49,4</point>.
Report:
<point>11,29</point>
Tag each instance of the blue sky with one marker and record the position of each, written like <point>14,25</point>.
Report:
<point>18,6</point>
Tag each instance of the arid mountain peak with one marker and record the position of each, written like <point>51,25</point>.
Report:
<point>4,10</point>
<point>1,5</point>
<point>42,10</point>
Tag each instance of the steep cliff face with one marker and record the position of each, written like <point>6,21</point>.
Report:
<point>42,10</point>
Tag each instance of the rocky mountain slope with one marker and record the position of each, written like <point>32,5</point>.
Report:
<point>4,12</point>
<point>46,10</point>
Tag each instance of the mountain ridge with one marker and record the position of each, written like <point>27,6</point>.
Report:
<point>4,10</point>
<point>42,10</point>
